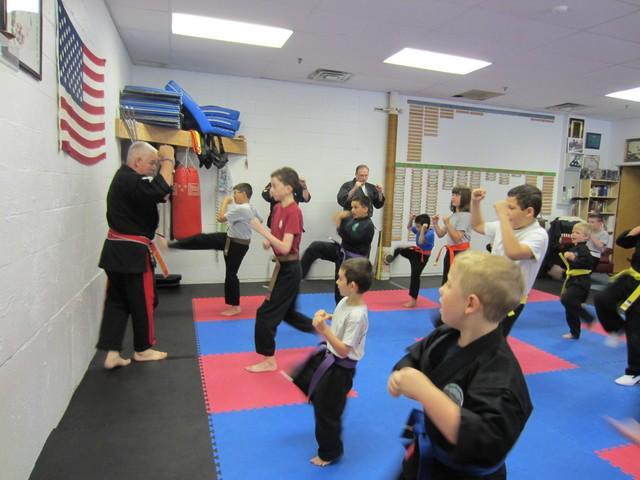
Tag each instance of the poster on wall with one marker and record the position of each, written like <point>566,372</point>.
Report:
<point>575,145</point>
<point>23,20</point>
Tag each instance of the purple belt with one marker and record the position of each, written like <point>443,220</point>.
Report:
<point>329,359</point>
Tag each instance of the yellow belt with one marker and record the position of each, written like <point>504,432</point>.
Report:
<point>576,272</point>
<point>635,294</point>
<point>523,301</point>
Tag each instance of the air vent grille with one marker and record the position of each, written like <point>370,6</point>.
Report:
<point>567,107</point>
<point>326,75</point>
<point>477,95</point>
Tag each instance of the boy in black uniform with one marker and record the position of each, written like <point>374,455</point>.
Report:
<point>132,215</point>
<point>356,231</point>
<point>471,388</point>
<point>623,293</point>
<point>575,290</point>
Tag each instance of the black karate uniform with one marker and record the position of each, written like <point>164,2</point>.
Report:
<point>608,300</point>
<point>131,210</point>
<point>485,379</point>
<point>233,257</point>
<point>356,235</point>
<point>377,199</point>
<point>576,290</point>
<point>297,196</point>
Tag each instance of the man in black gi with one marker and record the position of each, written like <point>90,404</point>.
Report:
<point>127,254</point>
<point>358,188</point>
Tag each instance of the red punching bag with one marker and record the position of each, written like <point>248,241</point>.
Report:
<point>186,219</point>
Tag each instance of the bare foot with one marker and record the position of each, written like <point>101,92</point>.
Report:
<point>319,462</point>
<point>149,355</point>
<point>568,336</point>
<point>229,312</point>
<point>411,303</point>
<point>266,365</point>
<point>114,360</point>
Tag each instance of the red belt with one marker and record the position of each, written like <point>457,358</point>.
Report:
<point>457,247</point>
<point>422,252</point>
<point>142,240</point>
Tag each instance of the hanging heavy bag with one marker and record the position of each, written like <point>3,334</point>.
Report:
<point>186,216</point>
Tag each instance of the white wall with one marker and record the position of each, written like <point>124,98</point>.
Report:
<point>622,131</point>
<point>322,132</point>
<point>52,224</point>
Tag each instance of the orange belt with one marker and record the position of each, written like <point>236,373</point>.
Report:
<point>457,247</point>
<point>141,239</point>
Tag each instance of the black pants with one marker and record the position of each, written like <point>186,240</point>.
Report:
<point>575,294</point>
<point>278,307</point>
<point>232,260</point>
<point>509,321</point>
<point>328,251</point>
<point>417,261</point>
<point>329,400</point>
<point>129,294</point>
<point>607,302</point>
<point>446,265</point>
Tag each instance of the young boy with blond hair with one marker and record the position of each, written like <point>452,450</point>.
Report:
<point>467,380</point>
<point>575,290</point>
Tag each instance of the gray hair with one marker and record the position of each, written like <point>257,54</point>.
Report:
<point>138,149</point>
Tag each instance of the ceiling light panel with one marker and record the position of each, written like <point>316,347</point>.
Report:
<point>439,62</point>
<point>228,30</point>
<point>632,94</point>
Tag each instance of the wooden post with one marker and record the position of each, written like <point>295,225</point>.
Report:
<point>389,182</point>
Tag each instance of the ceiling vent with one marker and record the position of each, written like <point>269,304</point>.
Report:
<point>567,107</point>
<point>326,75</point>
<point>477,95</point>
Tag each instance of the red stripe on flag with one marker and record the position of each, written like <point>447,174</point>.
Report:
<point>92,91</point>
<point>90,127</point>
<point>66,147</point>
<point>98,61</point>
<point>93,75</point>
<point>86,143</point>
<point>93,110</point>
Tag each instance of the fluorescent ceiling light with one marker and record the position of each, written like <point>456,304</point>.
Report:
<point>31,6</point>
<point>632,94</point>
<point>228,30</point>
<point>440,62</point>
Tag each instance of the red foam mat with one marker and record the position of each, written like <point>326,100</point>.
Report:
<point>533,360</point>
<point>626,458</point>
<point>229,387</point>
<point>385,300</point>
<point>540,296</point>
<point>208,309</point>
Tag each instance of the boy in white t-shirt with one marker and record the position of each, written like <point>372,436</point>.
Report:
<point>327,376</point>
<point>516,235</point>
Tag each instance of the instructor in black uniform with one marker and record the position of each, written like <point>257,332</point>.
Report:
<point>128,252</point>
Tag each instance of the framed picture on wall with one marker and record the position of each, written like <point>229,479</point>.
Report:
<point>575,145</point>
<point>632,150</point>
<point>592,141</point>
<point>26,27</point>
<point>576,128</point>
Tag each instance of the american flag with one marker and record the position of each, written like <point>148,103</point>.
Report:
<point>81,92</point>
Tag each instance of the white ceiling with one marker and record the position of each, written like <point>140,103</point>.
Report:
<point>540,58</point>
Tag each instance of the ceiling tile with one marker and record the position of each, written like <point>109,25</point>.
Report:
<point>580,15</point>
<point>625,28</point>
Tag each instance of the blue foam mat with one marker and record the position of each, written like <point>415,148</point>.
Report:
<point>559,441</point>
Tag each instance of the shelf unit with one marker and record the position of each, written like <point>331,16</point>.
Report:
<point>597,196</point>
<point>177,138</point>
